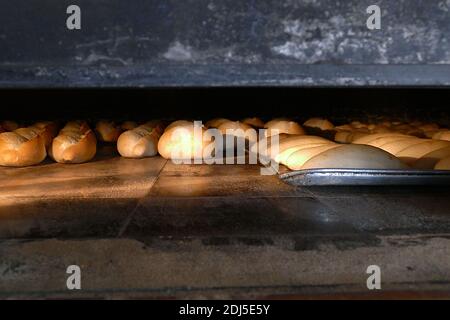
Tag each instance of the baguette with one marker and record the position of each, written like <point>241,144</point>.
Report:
<point>254,122</point>
<point>139,142</point>
<point>181,143</point>
<point>282,126</point>
<point>353,157</point>
<point>322,124</point>
<point>430,160</point>
<point>107,131</point>
<point>215,123</point>
<point>75,143</point>
<point>48,131</point>
<point>22,147</point>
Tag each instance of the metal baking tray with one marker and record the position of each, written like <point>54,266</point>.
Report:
<point>365,177</point>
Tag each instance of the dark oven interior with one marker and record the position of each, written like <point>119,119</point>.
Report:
<point>173,230</point>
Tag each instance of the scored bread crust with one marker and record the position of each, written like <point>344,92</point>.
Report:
<point>429,160</point>
<point>181,143</point>
<point>21,148</point>
<point>254,122</point>
<point>108,131</point>
<point>282,126</point>
<point>139,142</point>
<point>297,159</point>
<point>416,151</point>
<point>319,123</point>
<point>75,143</point>
<point>354,157</point>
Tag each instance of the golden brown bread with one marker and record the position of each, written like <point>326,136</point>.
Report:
<point>353,156</point>
<point>48,130</point>
<point>319,123</point>
<point>429,160</point>
<point>282,126</point>
<point>254,122</point>
<point>107,131</point>
<point>22,147</point>
<point>179,123</point>
<point>75,143</point>
<point>442,135</point>
<point>181,142</point>
<point>215,123</point>
<point>139,142</point>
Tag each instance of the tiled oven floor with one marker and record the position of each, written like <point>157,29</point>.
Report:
<point>149,228</point>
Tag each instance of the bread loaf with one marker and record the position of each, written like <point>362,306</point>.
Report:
<point>107,131</point>
<point>182,142</point>
<point>215,123</point>
<point>416,151</point>
<point>353,157</point>
<point>22,147</point>
<point>429,160</point>
<point>75,143</point>
<point>322,124</point>
<point>238,129</point>
<point>442,135</point>
<point>139,142</point>
<point>282,126</point>
<point>48,131</point>
<point>297,159</point>
<point>254,122</point>
<point>179,123</point>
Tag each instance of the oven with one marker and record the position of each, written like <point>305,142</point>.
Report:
<point>152,228</point>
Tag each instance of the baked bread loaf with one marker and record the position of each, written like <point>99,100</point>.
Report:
<point>48,131</point>
<point>353,157</point>
<point>297,159</point>
<point>442,135</point>
<point>182,142</point>
<point>215,123</point>
<point>21,147</point>
<point>282,126</point>
<point>107,131</point>
<point>75,143</point>
<point>289,144</point>
<point>238,129</point>
<point>444,164</point>
<point>319,123</point>
<point>139,142</point>
<point>179,123</point>
<point>254,122</point>
<point>430,160</point>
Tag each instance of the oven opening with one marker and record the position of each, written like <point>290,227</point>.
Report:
<point>188,229</point>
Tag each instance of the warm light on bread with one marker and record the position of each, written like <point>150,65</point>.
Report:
<point>22,147</point>
<point>107,131</point>
<point>282,126</point>
<point>353,157</point>
<point>254,122</point>
<point>319,123</point>
<point>75,143</point>
<point>139,142</point>
<point>181,142</point>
